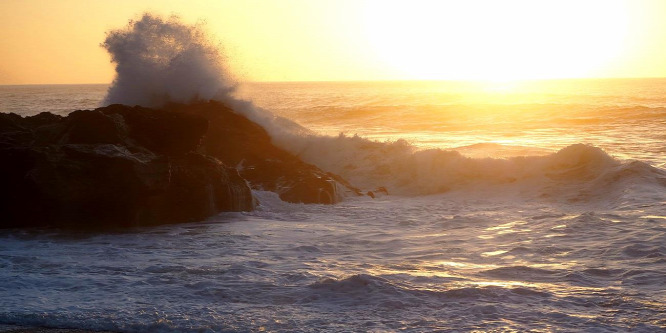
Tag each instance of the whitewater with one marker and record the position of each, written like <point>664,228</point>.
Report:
<point>511,206</point>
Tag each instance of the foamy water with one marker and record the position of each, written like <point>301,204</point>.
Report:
<point>626,117</point>
<point>569,238</point>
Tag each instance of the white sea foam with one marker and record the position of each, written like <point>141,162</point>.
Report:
<point>163,60</point>
<point>566,241</point>
<point>570,240</point>
<point>420,263</point>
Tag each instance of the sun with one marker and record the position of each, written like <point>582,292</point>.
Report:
<point>496,40</point>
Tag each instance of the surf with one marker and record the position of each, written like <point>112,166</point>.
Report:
<point>162,60</point>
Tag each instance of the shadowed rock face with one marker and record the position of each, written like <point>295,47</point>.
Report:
<point>236,141</point>
<point>122,166</point>
<point>112,167</point>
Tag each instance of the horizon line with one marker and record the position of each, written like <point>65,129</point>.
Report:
<point>369,81</point>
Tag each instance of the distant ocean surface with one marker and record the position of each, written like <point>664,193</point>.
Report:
<point>513,206</point>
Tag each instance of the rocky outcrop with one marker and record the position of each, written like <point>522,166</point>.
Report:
<point>121,166</point>
<point>235,140</point>
<point>112,167</point>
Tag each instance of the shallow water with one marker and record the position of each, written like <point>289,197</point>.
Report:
<point>572,241</point>
<point>437,262</point>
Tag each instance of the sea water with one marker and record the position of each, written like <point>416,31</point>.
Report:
<point>512,206</point>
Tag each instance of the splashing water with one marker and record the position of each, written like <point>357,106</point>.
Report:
<point>566,241</point>
<point>159,61</point>
<point>163,60</point>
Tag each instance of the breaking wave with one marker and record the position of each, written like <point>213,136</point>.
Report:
<point>160,61</point>
<point>163,60</point>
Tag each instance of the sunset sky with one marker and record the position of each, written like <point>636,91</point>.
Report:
<point>291,40</point>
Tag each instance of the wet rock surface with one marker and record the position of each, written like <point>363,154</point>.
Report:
<point>122,166</point>
<point>112,167</point>
<point>237,141</point>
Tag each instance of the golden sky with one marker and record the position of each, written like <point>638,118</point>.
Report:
<point>337,40</point>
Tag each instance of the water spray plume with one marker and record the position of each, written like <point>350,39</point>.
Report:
<point>163,60</point>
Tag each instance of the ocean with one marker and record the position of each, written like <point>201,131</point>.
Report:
<point>533,206</point>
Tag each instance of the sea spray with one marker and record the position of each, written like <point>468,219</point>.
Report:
<point>160,61</point>
<point>163,60</point>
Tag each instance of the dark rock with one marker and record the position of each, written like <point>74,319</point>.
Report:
<point>94,127</point>
<point>122,166</point>
<point>159,131</point>
<point>377,192</point>
<point>203,186</point>
<point>237,141</point>
<point>92,170</point>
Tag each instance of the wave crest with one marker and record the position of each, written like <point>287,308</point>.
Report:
<point>579,172</point>
<point>159,61</point>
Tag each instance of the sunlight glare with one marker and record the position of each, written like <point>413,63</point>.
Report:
<point>496,40</point>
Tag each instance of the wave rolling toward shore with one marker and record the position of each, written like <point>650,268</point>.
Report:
<point>545,213</point>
